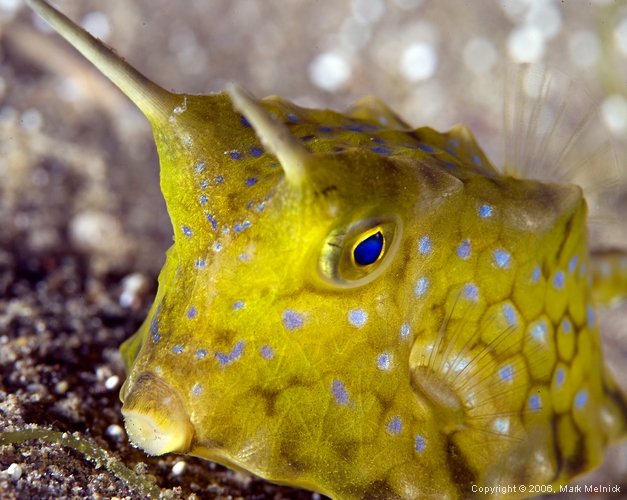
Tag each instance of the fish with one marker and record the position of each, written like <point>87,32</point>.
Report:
<point>370,310</point>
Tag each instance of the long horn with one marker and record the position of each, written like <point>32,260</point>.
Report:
<point>154,101</point>
<point>275,136</point>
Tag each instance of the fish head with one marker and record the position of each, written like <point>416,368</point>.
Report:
<point>275,303</point>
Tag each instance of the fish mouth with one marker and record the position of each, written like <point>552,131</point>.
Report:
<point>155,417</point>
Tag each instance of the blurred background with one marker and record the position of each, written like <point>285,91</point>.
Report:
<point>78,168</point>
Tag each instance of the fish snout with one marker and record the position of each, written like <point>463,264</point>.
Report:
<point>155,417</point>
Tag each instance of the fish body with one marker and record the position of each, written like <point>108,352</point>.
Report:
<point>473,359</point>
<point>361,308</point>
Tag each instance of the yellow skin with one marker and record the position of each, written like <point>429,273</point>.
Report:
<point>467,355</point>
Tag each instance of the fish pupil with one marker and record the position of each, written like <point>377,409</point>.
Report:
<point>369,250</point>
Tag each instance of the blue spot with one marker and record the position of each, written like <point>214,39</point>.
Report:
<point>203,199</point>
<point>177,349</point>
<point>471,292</point>
<point>236,155</point>
<point>502,258</point>
<point>384,151</point>
<point>238,350</point>
<point>384,361</point>
<point>582,270</point>
<point>154,328</point>
<point>485,211</point>
<point>325,129</point>
<point>261,206</point>
<point>187,231</point>
<point>451,165</point>
<point>219,178</point>
<point>266,352</point>
<point>453,143</point>
<point>377,140</point>
<point>535,403</point>
<point>240,227</point>
<point>255,151</point>
<point>451,151</point>
<point>217,246</point>
<point>201,353</point>
<point>307,138</point>
<point>212,219</point>
<point>536,274</point>
<point>572,264</point>
<point>225,230</point>
<point>501,425</point>
<point>200,166</point>
<point>422,285</point>
<point>510,314</point>
<point>292,320</point>
<point>238,305</point>
<point>421,444</point>
<point>153,322</point>
<point>357,317</point>
<point>292,117</point>
<point>426,149</point>
<point>251,181</point>
<point>539,331</point>
<point>204,184</point>
<point>405,331</point>
<point>395,426</point>
<point>244,121</point>
<point>197,390</point>
<point>463,250</point>
<point>558,280</point>
<point>506,373</point>
<point>477,160</point>
<point>353,128</point>
<point>424,245</point>
<point>234,355</point>
<point>192,312</point>
<point>339,392</point>
<point>581,398</point>
<point>369,250</point>
<point>201,263</point>
<point>566,326</point>
<point>560,376</point>
<point>590,316</point>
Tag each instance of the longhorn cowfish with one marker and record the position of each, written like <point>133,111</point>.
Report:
<point>365,309</point>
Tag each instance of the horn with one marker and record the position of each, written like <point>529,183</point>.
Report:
<point>154,101</point>
<point>275,137</point>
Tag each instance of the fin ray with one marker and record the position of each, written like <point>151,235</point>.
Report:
<point>553,130</point>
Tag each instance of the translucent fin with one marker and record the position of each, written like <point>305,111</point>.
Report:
<point>373,108</point>
<point>608,270</point>
<point>154,101</point>
<point>554,133</point>
<point>458,376</point>
<point>274,135</point>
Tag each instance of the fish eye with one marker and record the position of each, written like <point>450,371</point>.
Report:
<point>368,250</point>
<point>357,254</point>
